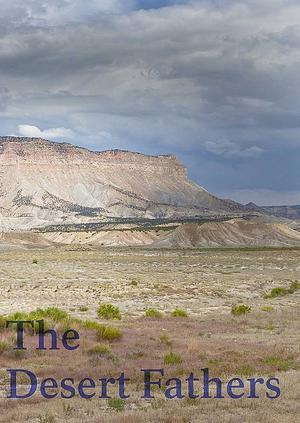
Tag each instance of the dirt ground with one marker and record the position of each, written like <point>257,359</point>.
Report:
<point>204,283</point>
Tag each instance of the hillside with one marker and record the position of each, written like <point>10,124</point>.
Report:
<point>233,233</point>
<point>46,183</point>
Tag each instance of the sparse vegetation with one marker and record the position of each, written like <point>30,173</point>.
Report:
<point>72,277</point>
<point>46,418</point>
<point>245,371</point>
<point>100,349</point>
<point>267,309</point>
<point>279,363</point>
<point>134,282</point>
<point>4,346</point>
<point>172,358</point>
<point>238,310</point>
<point>164,339</point>
<point>83,308</point>
<point>279,291</point>
<point>50,315</point>
<point>109,312</point>
<point>116,404</point>
<point>109,333</point>
<point>35,261</point>
<point>91,325</point>
<point>178,312</point>
<point>68,409</point>
<point>154,313</point>
<point>2,322</point>
<point>294,286</point>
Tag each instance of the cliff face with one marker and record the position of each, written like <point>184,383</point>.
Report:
<point>43,183</point>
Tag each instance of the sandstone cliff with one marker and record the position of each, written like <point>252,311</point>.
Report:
<point>44,183</point>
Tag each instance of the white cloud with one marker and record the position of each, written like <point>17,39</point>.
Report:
<point>35,132</point>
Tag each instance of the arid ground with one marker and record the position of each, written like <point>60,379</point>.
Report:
<point>204,283</point>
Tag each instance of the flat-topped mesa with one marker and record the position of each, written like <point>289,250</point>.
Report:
<point>39,150</point>
<point>45,183</point>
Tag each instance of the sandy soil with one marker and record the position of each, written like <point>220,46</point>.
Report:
<point>201,281</point>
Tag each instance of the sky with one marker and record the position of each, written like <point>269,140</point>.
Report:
<point>215,82</point>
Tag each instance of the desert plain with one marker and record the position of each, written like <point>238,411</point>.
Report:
<point>202,283</point>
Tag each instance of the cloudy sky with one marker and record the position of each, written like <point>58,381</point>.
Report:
<point>217,82</point>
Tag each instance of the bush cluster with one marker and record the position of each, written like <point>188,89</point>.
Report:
<point>152,312</point>
<point>109,312</point>
<point>108,333</point>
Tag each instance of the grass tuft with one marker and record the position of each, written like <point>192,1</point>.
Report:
<point>109,333</point>
<point>178,312</point>
<point>153,312</point>
<point>100,350</point>
<point>238,310</point>
<point>109,312</point>
<point>117,404</point>
<point>172,358</point>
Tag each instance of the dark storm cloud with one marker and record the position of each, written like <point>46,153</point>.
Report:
<point>216,82</point>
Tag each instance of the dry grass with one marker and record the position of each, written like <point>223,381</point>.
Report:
<point>206,284</point>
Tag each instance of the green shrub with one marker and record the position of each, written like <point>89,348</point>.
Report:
<point>178,312</point>
<point>116,404</point>
<point>172,358</point>
<point>109,333</point>
<point>279,291</point>
<point>238,310</point>
<point>35,261</point>
<point>134,282</point>
<point>51,317</point>
<point>100,349</point>
<point>152,312</point>
<point>109,312</point>
<point>53,313</point>
<point>18,315</point>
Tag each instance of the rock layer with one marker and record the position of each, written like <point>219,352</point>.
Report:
<point>44,183</point>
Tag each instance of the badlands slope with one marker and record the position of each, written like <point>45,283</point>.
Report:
<point>233,233</point>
